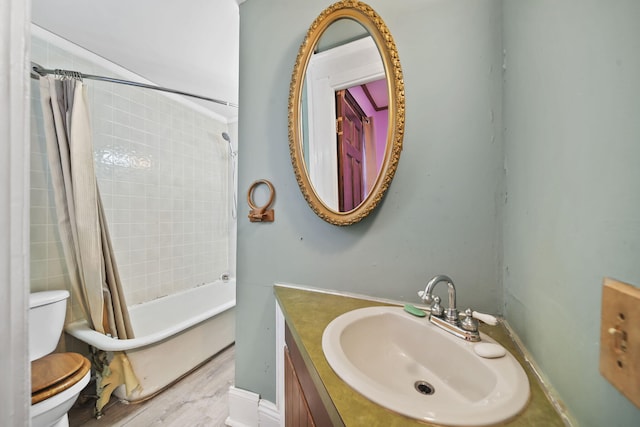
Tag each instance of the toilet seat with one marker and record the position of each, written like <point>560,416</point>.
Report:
<point>56,372</point>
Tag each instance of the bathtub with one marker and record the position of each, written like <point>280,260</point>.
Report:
<point>174,335</point>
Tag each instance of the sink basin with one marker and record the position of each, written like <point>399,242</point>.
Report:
<point>412,367</point>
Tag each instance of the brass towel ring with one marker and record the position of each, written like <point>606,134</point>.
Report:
<point>263,213</point>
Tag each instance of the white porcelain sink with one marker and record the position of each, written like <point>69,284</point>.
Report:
<point>383,352</point>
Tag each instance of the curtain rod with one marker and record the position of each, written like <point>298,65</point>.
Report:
<point>38,71</point>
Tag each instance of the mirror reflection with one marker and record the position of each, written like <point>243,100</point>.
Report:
<point>346,112</point>
<point>345,92</point>
<point>358,140</point>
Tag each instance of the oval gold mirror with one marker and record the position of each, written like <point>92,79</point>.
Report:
<point>346,112</point>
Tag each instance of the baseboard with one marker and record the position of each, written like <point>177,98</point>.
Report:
<point>246,409</point>
<point>268,414</point>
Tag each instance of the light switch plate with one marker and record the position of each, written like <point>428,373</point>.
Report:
<point>620,337</point>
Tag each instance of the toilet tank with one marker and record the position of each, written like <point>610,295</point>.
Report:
<point>46,319</point>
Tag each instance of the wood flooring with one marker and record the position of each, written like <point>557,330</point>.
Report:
<point>199,399</point>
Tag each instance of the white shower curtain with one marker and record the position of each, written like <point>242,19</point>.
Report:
<point>93,273</point>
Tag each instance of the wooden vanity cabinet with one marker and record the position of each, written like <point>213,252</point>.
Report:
<point>296,409</point>
<point>302,402</point>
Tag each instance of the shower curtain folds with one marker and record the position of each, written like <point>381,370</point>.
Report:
<point>89,257</point>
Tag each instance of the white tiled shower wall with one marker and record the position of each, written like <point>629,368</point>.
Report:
<point>163,173</point>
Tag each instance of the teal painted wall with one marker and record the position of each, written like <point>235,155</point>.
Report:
<point>572,119</point>
<point>534,241</point>
<point>442,212</point>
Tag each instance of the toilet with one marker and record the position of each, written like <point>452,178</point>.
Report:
<point>56,378</point>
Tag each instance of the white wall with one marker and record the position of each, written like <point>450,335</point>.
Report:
<point>191,47</point>
<point>572,135</point>
<point>14,204</point>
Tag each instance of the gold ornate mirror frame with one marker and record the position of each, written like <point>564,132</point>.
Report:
<point>369,19</point>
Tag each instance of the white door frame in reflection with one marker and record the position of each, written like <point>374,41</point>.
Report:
<point>344,66</point>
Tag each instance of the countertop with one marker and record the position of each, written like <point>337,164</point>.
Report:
<point>307,313</point>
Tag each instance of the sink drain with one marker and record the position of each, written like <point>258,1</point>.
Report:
<point>424,387</point>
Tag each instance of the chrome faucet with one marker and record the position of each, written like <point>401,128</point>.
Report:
<point>449,319</point>
<point>451,313</point>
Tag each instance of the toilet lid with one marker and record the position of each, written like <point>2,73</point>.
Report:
<point>55,373</point>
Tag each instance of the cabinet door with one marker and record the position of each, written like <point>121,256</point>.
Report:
<point>296,409</point>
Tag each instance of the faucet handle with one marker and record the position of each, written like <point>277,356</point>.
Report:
<point>436,309</point>
<point>469,323</point>
<point>486,318</point>
<point>424,297</point>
